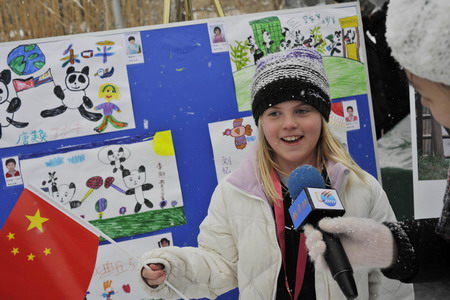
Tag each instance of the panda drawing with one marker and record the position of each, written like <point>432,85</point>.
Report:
<point>74,97</point>
<point>64,194</point>
<point>267,40</point>
<point>8,108</point>
<point>116,159</point>
<point>135,182</point>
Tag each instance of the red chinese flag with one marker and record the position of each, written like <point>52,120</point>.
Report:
<point>44,254</point>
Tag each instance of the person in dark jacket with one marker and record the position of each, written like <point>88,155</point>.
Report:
<point>418,32</point>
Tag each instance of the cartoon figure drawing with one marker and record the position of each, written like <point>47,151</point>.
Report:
<point>239,132</point>
<point>109,291</point>
<point>104,73</point>
<point>114,155</point>
<point>285,45</point>
<point>286,42</point>
<point>74,97</point>
<point>254,49</point>
<point>117,158</point>
<point>298,38</point>
<point>64,194</point>
<point>8,108</point>
<point>349,36</point>
<point>267,40</point>
<point>109,92</point>
<point>311,42</point>
<point>52,182</point>
<point>334,42</point>
<point>135,182</point>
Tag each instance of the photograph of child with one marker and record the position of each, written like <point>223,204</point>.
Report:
<point>11,171</point>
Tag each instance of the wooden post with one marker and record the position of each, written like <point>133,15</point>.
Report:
<point>218,8</point>
<point>166,12</point>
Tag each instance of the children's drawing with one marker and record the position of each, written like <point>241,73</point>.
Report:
<point>93,183</point>
<point>114,156</point>
<point>109,92</point>
<point>58,83</point>
<point>100,206</point>
<point>228,155</point>
<point>115,270</point>
<point>239,132</point>
<point>109,182</point>
<point>8,107</point>
<point>106,50</point>
<point>26,59</point>
<point>72,58</point>
<point>108,290</point>
<point>333,32</point>
<point>74,96</point>
<point>64,193</point>
<point>104,73</point>
<point>135,181</point>
<point>350,30</point>
<point>254,49</point>
<point>31,82</point>
<point>334,42</point>
<point>115,186</point>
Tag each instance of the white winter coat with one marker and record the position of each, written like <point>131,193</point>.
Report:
<point>238,244</point>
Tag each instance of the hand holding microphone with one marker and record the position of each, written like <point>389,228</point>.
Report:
<point>312,202</point>
<point>368,244</point>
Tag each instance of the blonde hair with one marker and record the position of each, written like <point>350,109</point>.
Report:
<point>328,148</point>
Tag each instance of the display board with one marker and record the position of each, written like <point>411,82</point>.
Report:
<point>132,129</point>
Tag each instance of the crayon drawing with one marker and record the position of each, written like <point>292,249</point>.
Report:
<point>118,187</point>
<point>231,140</point>
<point>56,90</point>
<point>334,32</point>
<point>115,272</point>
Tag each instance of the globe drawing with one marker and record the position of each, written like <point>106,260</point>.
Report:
<point>26,59</point>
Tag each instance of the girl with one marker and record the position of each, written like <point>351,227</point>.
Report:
<point>413,250</point>
<point>109,92</point>
<point>247,239</point>
<point>218,36</point>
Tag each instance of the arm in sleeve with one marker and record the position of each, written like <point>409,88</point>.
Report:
<point>423,255</point>
<point>381,287</point>
<point>206,271</point>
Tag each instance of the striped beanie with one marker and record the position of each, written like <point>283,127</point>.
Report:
<point>296,74</point>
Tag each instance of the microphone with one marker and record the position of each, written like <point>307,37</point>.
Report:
<point>313,201</point>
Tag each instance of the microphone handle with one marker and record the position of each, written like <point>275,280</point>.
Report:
<point>339,265</point>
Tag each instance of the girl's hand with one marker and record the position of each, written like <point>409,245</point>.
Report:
<point>155,275</point>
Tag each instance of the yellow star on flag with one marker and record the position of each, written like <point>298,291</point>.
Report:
<point>15,251</point>
<point>10,236</point>
<point>31,256</point>
<point>47,251</point>
<point>36,221</point>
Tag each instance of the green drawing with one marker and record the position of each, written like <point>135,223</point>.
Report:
<point>239,55</point>
<point>320,42</point>
<point>268,43</point>
<point>347,77</point>
<point>133,224</point>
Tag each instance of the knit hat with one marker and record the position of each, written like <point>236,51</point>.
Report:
<point>418,33</point>
<point>297,74</point>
